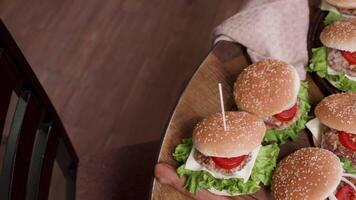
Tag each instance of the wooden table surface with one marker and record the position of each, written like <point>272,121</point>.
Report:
<point>114,70</point>
<point>108,65</point>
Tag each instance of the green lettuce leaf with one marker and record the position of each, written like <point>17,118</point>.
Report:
<point>261,173</point>
<point>319,62</point>
<point>347,165</point>
<point>319,65</point>
<point>343,83</point>
<point>292,132</point>
<point>332,17</point>
<point>182,151</point>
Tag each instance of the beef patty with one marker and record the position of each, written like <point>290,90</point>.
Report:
<point>330,141</point>
<point>347,11</point>
<point>339,63</point>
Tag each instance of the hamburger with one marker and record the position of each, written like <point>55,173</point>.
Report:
<point>336,60</point>
<point>272,90</point>
<point>227,162</point>
<point>338,9</point>
<point>313,174</point>
<point>334,127</point>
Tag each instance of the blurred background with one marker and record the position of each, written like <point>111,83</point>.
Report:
<point>114,70</point>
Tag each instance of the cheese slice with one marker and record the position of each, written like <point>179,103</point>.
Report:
<point>351,77</point>
<point>331,71</point>
<point>317,129</point>
<point>244,173</point>
<point>328,7</point>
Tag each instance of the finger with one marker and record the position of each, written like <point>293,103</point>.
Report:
<point>166,174</point>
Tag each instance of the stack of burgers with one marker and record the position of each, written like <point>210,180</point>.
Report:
<point>273,107</point>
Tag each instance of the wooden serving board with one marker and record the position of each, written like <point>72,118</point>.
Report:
<point>201,98</point>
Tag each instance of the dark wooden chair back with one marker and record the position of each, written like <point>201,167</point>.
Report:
<point>37,160</point>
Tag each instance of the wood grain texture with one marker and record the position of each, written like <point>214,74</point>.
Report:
<point>107,65</point>
<point>201,98</point>
<point>114,70</point>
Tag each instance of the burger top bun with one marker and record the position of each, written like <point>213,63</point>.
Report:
<point>340,35</point>
<point>309,173</point>
<point>267,87</point>
<point>338,112</point>
<point>244,133</point>
<point>348,4</point>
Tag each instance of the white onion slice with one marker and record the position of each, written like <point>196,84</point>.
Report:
<point>332,197</point>
<point>349,175</point>
<point>348,182</point>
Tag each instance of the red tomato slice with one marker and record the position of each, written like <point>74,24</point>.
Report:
<point>287,115</point>
<point>350,57</point>
<point>346,193</point>
<point>348,140</point>
<point>229,163</point>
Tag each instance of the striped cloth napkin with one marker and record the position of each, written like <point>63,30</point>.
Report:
<point>270,29</point>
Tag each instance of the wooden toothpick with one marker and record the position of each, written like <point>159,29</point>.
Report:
<point>222,106</point>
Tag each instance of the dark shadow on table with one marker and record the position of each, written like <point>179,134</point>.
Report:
<point>124,173</point>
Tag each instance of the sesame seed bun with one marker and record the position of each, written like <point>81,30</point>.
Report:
<point>340,35</point>
<point>348,4</point>
<point>338,112</point>
<point>309,173</point>
<point>267,87</point>
<point>244,133</point>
